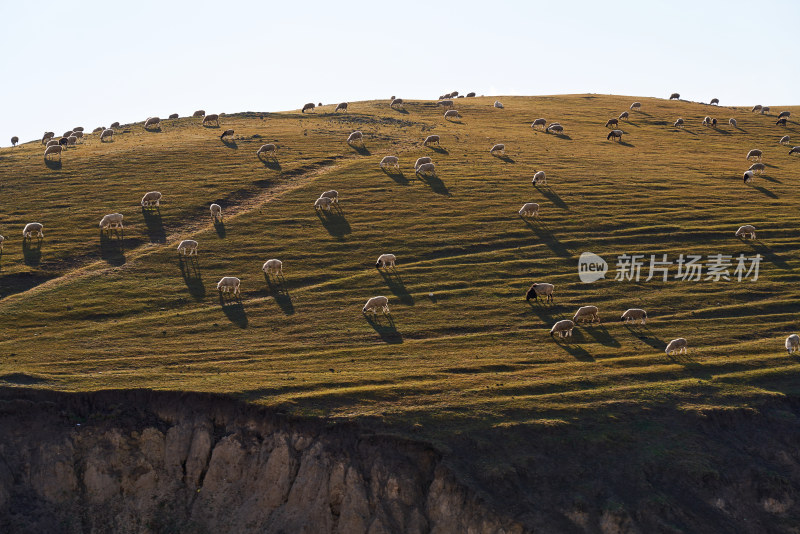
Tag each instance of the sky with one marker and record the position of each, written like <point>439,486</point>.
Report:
<point>90,63</point>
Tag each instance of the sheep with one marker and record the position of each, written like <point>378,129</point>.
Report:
<point>342,106</point>
<point>794,150</point>
<point>757,168</point>
<point>1,242</point>
<point>445,103</point>
<point>226,133</point>
<point>216,212</point>
<point>425,168</point>
<point>454,94</point>
<point>784,140</point>
<point>386,261</point>
<point>308,106</point>
<point>151,199</point>
<point>498,104</point>
<point>539,177</point>
<point>273,267</point>
<point>67,133</point>
<point>187,247</point>
<point>323,204</point>
<point>51,142</point>
<point>430,140</point>
<point>392,97</point>
<point>108,133</point>
<point>748,176</point>
<point>355,136</point>
<point>757,107</point>
<point>229,284</point>
<point>624,115</point>
<point>679,345</point>
<point>781,122</point>
<point>500,147</point>
<point>452,113</point>
<point>529,209</point>
<point>678,123</point>
<point>764,110</point>
<point>755,153</point>
<point>714,123</point>
<point>748,231</point>
<point>612,122</point>
<point>616,134</point>
<point>563,328</point>
<point>174,116</point>
<point>637,106</point>
<point>269,148</point>
<point>333,194</point>
<point>396,102</point>
<point>471,95</point>
<point>675,96</point>
<point>784,114</point>
<point>208,119</point>
<point>112,221</point>
<point>421,161</point>
<point>586,312</point>
<point>376,303</point>
<point>63,141</point>
<point>732,122</point>
<point>33,228</point>
<point>540,289</point>
<point>539,122</point>
<point>47,136</point>
<point>14,140</point>
<point>633,315</point>
<point>390,160</point>
<point>114,125</point>
<point>72,140</point>
<point>792,342</point>
<point>152,121</point>
<point>706,121</point>
<point>555,128</point>
<point>199,113</point>
<point>714,101</point>
<point>78,134</point>
<point>51,150</point>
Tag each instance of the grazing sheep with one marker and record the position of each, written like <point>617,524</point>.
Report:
<point>636,106</point>
<point>555,128</point>
<point>501,148</point>
<point>714,101</point>
<point>454,94</point>
<point>748,176</point>
<point>63,141</point>
<point>784,114</point>
<point>187,247</point>
<point>529,209</point>
<point>678,123</point>
<point>707,121</point>
<point>112,221</point>
<point>755,153</point>
<point>764,110</point>
<point>72,140</point>
<point>795,150</point>
<point>674,96</point>
<point>216,212</point>
<point>386,261</point>
<point>757,107</point>
<point>784,140</point>
<point>757,168</point>
<point>586,312</point>
<point>52,150</point>
<point>615,134</point>
<point>445,103</point>
<point>52,142</point>
<point>199,113</point>
<point>333,194</point>
<point>748,231</point>
<point>425,168</point>
<point>342,106</point>
<point>624,115</point>
<point>226,133</point>
<point>470,95</point>
<point>793,344</point>
<point>269,148</point>
<point>679,345</point>
<point>273,267</point>
<point>430,140</point>
<point>323,204</point>
<point>47,136</point>
<point>390,160</point>
<point>452,113</point>
<point>498,104</point>
<point>14,140</point>
<point>108,133</point>
<point>1,242</point>
<point>539,122</point>
<point>713,123</point>
<point>151,199</point>
<point>396,102</point>
<point>114,125</point>
<point>732,122</point>
<point>152,122</point>
<point>421,161</point>
<point>539,177</point>
<point>33,228</point>
<point>355,136</point>
<point>67,133</point>
<point>392,97</point>
<point>174,116</point>
<point>563,328</point>
<point>540,289</point>
<point>633,315</point>
<point>229,284</point>
<point>308,106</point>
<point>376,303</point>
<point>612,122</point>
<point>208,119</point>
<point>77,134</point>
<point>781,122</point>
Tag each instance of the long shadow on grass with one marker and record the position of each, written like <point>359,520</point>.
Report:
<point>767,254</point>
<point>396,175</point>
<point>334,222</point>
<point>764,191</point>
<point>22,379</point>
<point>546,312</point>
<point>570,344</point>
<point>563,136</point>
<point>507,159</point>
<point>190,269</point>
<point>155,226</point>
<point>385,327</point>
<point>601,334</point>
<point>435,183</point>
<point>439,150</point>
<point>233,309</point>
<point>32,251</point>
<point>547,237</point>
<point>361,150</point>
<point>219,227</point>
<point>112,247</point>
<point>552,196</point>
<point>230,143</point>
<point>277,288</point>
<point>396,286</point>
<point>643,333</point>
<point>20,282</point>
<point>771,179</point>
<point>271,163</point>
<point>53,164</point>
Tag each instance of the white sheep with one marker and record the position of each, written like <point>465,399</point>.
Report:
<point>226,133</point>
<point>114,125</point>
<point>633,315</point>
<point>539,177</point>
<point>755,153</point>
<point>269,148</point>
<point>501,148</point>
<point>675,96</point>
<point>229,284</point>
<point>323,203</point>
<point>342,106</point>
<point>51,142</point>
<point>747,177</point>
<point>308,106</point>
<point>540,289</point>
<point>615,134</point>
<point>746,231</point>
<point>586,312</point>
<point>714,102</point>
<point>333,194</point>
<point>151,199</point>
<point>498,104</point>
<point>678,123</point>
<point>539,122</point>
<point>764,109</point>
<point>1,242</point>
<point>199,113</point>
<point>108,133</point>
<point>452,113</point>
<point>624,115</point>
<point>273,267</point>
<point>757,168</point>
<point>394,161</point>
<point>732,122</point>
<point>679,345</point>
<point>422,161</point>
<point>67,133</point>
<point>794,150</point>
<point>445,104</point>
<point>757,107</point>
<point>784,140</point>
<point>636,106</point>
<point>208,119</point>
<point>33,228</point>
<point>187,247</point>
<point>72,140</point>
<point>425,168</point>
<point>152,121</point>
<point>793,344</point>
<point>555,128</point>
<point>216,211</point>
<point>78,134</point>
<point>430,140</point>
<point>355,136</point>
<point>55,149</point>
<point>376,303</point>
<point>386,261</point>
<point>783,114</point>
<point>706,121</point>
<point>112,221</point>
<point>396,102</point>
<point>47,136</point>
<point>529,209</point>
<point>563,328</point>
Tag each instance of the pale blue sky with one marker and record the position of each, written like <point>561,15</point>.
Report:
<point>90,63</point>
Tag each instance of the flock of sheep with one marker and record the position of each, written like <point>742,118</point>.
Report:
<point>423,166</point>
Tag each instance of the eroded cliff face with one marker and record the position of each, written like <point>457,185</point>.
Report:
<point>140,461</point>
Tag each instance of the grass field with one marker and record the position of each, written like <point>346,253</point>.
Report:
<point>80,314</point>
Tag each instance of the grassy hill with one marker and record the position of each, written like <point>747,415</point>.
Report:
<point>465,358</point>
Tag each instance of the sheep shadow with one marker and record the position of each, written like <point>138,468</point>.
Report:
<point>112,246</point>
<point>32,251</point>
<point>541,309</point>
<point>153,130</point>
<point>569,344</point>
<point>456,121</point>
<point>396,175</point>
<point>154,224</point>
<point>271,163</point>
<point>403,111</point>
<point>547,237</point>
<point>552,196</point>
<point>720,131</point>
<point>507,159</point>
<point>387,332</point>
<point>230,143</point>
<point>233,309</point>
<point>53,164</point>
<point>396,286</point>
<point>334,222</point>
<point>277,288</point>
<point>643,333</point>
<point>435,183</point>
<point>764,191</point>
<point>766,253</point>
<point>601,334</point>
<point>210,126</point>
<point>771,179</point>
<point>624,143</point>
<point>190,270</point>
<point>219,227</point>
<point>439,150</point>
<point>360,149</point>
